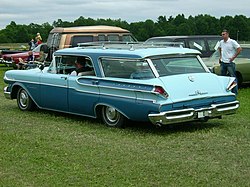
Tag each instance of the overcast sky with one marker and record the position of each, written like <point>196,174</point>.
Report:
<point>42,11</point>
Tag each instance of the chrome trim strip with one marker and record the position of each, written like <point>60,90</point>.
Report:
<point>113,95</point>
<point>37,83</point>
<point>115,81</point>
<point>119,88</point>
<point>63,111</point>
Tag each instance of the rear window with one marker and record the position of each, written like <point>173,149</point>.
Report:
<point>177,65</point>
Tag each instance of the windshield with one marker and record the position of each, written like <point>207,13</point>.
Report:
<point>128,38</point>
<point>177,65</point>
<point>37,48</point>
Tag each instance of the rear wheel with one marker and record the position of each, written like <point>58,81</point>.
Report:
<point>111,117</point>
<point>24,101</point>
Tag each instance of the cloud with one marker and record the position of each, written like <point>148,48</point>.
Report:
<point>41,11</point>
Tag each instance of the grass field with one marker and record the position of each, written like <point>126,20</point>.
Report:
<point>43,148</point>
<point>14,46</point>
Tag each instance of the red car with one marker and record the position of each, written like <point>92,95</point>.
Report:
<point>10,58</point>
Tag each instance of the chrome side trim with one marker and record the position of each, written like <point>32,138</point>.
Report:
<point>191,114</point>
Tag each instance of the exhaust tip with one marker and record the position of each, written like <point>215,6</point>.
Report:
<point>158,124</point>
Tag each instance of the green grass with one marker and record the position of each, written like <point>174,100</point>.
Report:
<point>14,46</point>
<point>43,148</point>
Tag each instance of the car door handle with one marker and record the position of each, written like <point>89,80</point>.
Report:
<point>65,78</point>
<point>95,82</point>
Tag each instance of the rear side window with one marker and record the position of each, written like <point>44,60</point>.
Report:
<point>101,37</point>
<point>198,44</point>
<point>126,68</point>
<point>80,39</point>
<point>114,37</point>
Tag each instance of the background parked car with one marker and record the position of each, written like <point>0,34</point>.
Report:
<point>14,58</point>
<point>8,51</point>
<point>242,64</point>
<point>206,44</point>
<point>65,37</point>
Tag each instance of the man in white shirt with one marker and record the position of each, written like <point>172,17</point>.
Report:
<point>229,49</point>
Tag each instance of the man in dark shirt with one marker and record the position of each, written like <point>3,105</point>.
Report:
<point>81,66</point>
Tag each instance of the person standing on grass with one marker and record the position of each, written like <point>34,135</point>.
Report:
<point>229,49</point>
<point>38,39</point>
<point>32,44</point>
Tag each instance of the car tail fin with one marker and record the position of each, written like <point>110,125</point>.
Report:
<point>159,90</point>
<point>232,83</point>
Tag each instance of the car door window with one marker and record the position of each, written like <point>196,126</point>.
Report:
<point>65,64</point>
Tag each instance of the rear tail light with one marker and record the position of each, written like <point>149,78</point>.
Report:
<point>161,91</point>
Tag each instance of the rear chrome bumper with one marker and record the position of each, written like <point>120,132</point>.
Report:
<point>191,114</point>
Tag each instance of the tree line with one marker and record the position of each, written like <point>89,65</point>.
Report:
<point>239,27</point>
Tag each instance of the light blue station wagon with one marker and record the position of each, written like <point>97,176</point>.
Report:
<point>162,85</point>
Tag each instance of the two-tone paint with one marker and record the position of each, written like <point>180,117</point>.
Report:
<point>190,96</point>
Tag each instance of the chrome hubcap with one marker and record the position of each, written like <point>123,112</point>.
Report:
<point>112,114</point>
<point>23,99</point>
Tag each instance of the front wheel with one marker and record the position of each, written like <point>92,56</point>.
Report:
<point>24,101</point>
<point>111,117</point>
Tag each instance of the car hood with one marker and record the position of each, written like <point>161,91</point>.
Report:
<point>17,55</point>
<point>195,86</point>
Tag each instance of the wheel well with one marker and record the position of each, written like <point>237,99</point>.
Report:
<point>98,110</point>
<point>14,91</point>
